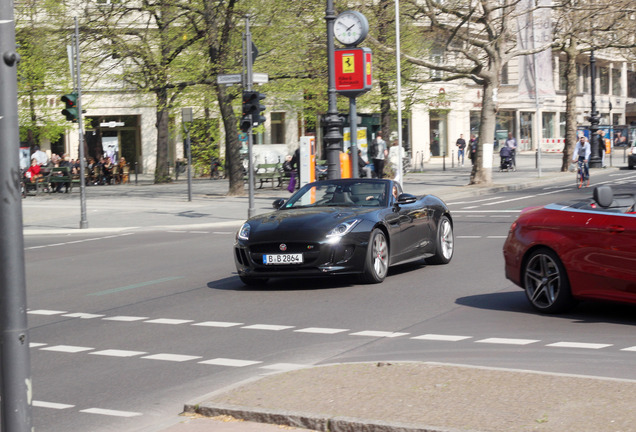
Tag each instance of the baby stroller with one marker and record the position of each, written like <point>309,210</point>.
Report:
<point>506,159</point>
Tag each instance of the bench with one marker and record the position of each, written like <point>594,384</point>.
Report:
<point>62,175</point>
<point>267,172</point>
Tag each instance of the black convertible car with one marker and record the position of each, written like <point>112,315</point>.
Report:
<point>344,226</point>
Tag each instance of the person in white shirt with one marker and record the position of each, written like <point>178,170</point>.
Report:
<point>41,157</point>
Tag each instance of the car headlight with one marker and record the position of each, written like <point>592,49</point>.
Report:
<point>341,229</point>
<point>244,232</point>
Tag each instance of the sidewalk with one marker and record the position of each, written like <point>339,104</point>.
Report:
<point>399,397</point>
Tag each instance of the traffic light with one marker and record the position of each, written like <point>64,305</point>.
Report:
<point>70,112</point>
<point>252,109</point>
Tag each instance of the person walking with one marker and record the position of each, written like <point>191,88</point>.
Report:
<point>461,148</point>
<point>511,143</point>
<point>379,153</point>
<point>472,151</point>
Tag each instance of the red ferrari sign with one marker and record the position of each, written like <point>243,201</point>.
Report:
<point>353,71</point>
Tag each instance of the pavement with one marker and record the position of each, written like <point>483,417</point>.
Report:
<point>385,396</point>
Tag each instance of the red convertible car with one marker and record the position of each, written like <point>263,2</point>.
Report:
<point>583,249</point>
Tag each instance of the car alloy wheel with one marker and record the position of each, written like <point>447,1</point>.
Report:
<point>444,242</point>
<point>546,282</point>
<point>377,262</point>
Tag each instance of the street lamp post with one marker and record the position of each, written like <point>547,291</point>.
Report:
<point>332,121</point>
<point>186,119</point>
<point>595,158</point>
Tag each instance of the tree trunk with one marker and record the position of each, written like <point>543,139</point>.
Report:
<point>162,171</point>
<point>482,166</point>
<point>233,161</point>
<point>570,119</point>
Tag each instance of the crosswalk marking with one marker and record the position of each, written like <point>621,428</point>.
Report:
<point>66,348</point>
<point>51,405</point>
<point>506,341</point>
<point>83,315</point>
<point>45,312</point>
<point>217,324</point>
<point>321,330</point>
<point>439,337</point>
<point>171,357</point>
<point>229,362</point>
<point>118,353</point>
<point>109,412</point>
<point>267,327</point>
<point>579,345</point>
<point>126,318</point>
<point>168,321</point>
<point>378,334</point>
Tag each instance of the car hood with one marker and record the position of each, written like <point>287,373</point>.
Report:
<point>295,224</point>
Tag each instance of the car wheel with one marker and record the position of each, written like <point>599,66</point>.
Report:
<point>376,265</point>
<point>546,282</point>
<point>250,281</point>
<point>444,242</point>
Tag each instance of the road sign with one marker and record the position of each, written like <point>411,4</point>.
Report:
<point>229,79</point>
<point>260,78</point>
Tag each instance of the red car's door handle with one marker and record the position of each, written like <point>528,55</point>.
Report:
<point>615,229</point>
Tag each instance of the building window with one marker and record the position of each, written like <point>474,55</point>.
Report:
<point>563,83</point>
<point>504,74</point>
<point>604,80</point>
<point>616,82</point>
<point>631,84</point>
<point>548,124</point>
<point>278,127</point>
<point>583,73</point>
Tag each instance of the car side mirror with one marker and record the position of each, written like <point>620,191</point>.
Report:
<point>278,203</point>
<point>405,198</point>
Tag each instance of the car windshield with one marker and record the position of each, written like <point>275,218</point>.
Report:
<point>367,193</point>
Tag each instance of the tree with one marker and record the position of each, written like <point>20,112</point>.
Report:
<point>41,71</point>
<point>475,41</point>
<point>142,44</point>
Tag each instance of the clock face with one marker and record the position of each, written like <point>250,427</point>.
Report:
<point>351,27</point>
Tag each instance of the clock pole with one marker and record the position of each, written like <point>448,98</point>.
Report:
<point>332,122</point>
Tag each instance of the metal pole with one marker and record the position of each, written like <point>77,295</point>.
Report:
<point>80,122</point>
<point>595,160</point>
<point>15,381</point>
<point>353,127</point>
<point>333,122</point>
<point>186,119</point>
<point>250,138</point>
<point>536,99</point>
<point>398,177</point>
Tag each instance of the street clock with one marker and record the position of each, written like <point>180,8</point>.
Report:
<point>350,28</point>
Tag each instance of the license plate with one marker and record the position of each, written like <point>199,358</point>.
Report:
<point>296,258</point>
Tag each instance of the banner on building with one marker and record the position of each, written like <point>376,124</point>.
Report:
<point>535,30</point>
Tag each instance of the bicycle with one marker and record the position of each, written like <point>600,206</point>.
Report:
<point>581,177</point>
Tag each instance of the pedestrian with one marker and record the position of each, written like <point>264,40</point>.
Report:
<point>378,153</point>
<point>602,147</point>
<point>472,155</point>
<point>461,147</point>
<point>511,142</point>
<point>41,157</point>
<point>363,166</point>
<point>582,152</point>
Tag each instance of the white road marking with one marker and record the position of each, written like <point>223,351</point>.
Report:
<point>510,200</point>
<point>118,353</point>
<point>506,341</point>
<point>52,405</point>
<point>171,357</point>
<point>45,312</point>
<point>372,333</point>
<point>468,237</point>
<point>168,321</point>
<point>633,348</point>
<point>579,345</point>
<point>78,241</point>
<point>284,366</point>
<point>125,318</point>
<point>473,202</point>
<point>108,412</point>
<point>217,324</point>
<point>83,315</point>
<point>267,327</point>
<point>67,348</point>
<point>36,344</point>
<point>321,330</point>
<point>497,236</point>
<point>229,362</point>
<point>440,337</point>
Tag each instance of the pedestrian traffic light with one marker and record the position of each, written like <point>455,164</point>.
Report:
<point>70,112</point>
<point>252,109</point>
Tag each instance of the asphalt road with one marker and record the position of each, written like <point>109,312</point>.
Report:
<point>128,326</point>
